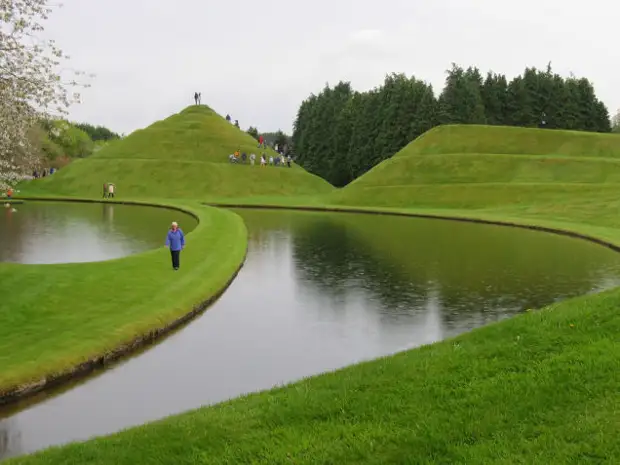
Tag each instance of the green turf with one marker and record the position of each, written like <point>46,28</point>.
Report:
<point>54,317</point>
<point>539,388</point>
<point>492,167</point>
<point>512,140</point>
<point>183,156</point>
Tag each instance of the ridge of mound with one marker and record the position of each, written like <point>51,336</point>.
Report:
<point>474,138</point>
<point>182,156</point>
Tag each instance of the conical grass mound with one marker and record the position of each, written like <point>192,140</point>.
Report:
<point>182,156</point>
<point>482,167</point>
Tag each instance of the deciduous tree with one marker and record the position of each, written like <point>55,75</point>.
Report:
<point>31,84</point>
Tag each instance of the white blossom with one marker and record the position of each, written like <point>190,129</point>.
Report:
<point>31,85</point>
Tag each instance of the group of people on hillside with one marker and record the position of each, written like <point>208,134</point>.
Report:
<point>279,160</point>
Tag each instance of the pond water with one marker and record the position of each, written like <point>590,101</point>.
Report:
<point>70,232</point>
<point>320,291</point>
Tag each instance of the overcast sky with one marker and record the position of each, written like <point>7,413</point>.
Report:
<point>258,59</point>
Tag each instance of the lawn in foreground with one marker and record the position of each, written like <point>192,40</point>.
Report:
<point>54,317</point>
<point>540,388</point>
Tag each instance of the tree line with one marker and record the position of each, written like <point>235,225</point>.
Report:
<point>340,133</point>
<point>57,141</point>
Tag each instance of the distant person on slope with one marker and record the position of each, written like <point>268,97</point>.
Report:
<point>252,158</point>
<point>175,240</point>
<point>196,97</point>
<point>110,190</point>
<point>105,190</point>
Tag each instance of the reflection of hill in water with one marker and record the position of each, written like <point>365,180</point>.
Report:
<point>477,273</point>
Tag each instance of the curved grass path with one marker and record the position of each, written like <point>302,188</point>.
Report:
<point>540,387</point>
<point>60,321</point>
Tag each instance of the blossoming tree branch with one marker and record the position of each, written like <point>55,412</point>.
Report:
<point>31,85</point>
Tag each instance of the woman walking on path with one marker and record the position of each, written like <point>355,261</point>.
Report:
<point>176,241</point>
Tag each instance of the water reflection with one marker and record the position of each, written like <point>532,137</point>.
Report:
<point>318,292</point>
<point>479,273</point>
<point>57,232</point>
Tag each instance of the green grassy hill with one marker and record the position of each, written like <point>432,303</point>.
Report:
<point>182,156</point>
<point>484,167</point>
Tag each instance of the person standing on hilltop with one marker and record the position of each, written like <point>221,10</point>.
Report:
<point>175,240</point>
<point>199,98</point>
<point>196,97</point>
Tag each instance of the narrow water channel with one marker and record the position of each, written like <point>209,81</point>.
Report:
<point>321,291</point>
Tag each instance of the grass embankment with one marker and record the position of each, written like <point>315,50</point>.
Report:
<point>522,170</point>
<point>54,317</point>
<point>184,156</point>
<point>539,388</point>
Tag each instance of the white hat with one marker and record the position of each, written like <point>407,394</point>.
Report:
<point>174,223</point>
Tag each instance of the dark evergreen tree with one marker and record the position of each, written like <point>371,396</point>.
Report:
<point>253,132</point>
<point>494,98</point>
<point>460,101</point>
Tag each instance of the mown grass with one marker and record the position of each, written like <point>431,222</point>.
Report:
<point>54,317</point>
<point>512,140</point>
<point>539,388</point>
<point>183,156</point>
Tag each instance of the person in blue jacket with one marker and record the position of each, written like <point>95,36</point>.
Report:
<point>176,241</point>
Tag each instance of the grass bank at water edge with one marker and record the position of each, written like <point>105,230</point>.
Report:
<point>539,388</point>
<point>54,318</point>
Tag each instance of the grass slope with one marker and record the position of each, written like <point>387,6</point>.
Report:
<point>472,138</point>
<point>492,166</point>
<point>539,388</point>
<point>182,156</point>
<point>54,317</point>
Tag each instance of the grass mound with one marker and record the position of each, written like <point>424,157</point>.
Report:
<point>489,166</point>
<point>182,156</point>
